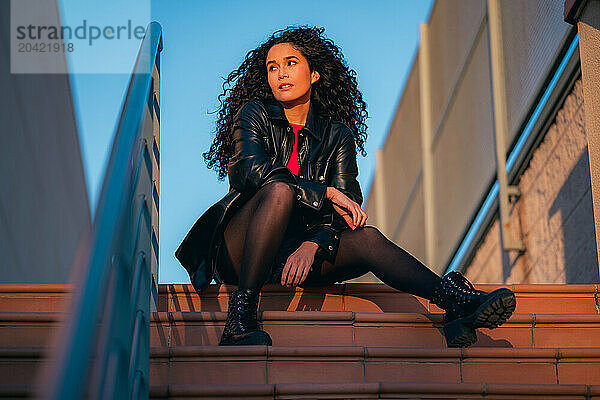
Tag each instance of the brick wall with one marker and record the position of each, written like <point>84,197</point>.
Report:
<point>553,216</point>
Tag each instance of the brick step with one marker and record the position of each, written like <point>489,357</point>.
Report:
<point>345,328</point>
<point>16,392</point>
<point>234,365</point>
<point>20,329</point>
<point>342,328</point>
<point>229,365</point>
<point>371,390</point>
<point>19,365</point>
<point>35,297</point>
<point>375,390</point>
<point>358,297</point>
<point>367,297</point>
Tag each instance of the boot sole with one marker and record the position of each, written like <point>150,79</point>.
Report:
<point>496,310</point>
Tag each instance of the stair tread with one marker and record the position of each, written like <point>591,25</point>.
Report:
<point>342,316</point>
<point>32,316</point>
<point>375,298</point>
<point>351,297</point>
<point>33,288</point>
<point>374,388</point>
<point>346,368</point>
<point>364,316</point>
<point>358,288</point>
<point>337,327</point>
<point>342,351</point>
<point>348,389</point>
<point>361,352</point>
<point>340,288</point>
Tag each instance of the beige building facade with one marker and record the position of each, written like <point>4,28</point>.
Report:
<point>486,166</point>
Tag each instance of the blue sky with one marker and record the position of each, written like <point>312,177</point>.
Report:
<point>204,41</point>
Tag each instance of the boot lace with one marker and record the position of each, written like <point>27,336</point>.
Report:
<point>460,288</point>
<point>455,293</point>
<point>241,317</point>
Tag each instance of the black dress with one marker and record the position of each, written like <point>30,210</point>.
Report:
<point>292,239</point>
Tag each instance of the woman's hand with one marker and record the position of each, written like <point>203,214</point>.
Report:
<point>298,264</point>
<point>347,208</point>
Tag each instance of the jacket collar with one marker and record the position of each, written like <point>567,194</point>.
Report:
<point>313,124</point>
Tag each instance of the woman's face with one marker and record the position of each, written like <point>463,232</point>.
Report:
<point>287,66</point>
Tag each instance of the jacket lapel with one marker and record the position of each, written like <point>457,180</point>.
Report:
<point>314,124</point>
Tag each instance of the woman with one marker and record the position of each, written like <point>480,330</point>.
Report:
<point>287,138</point>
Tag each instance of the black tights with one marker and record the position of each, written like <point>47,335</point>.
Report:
<point>255,232</point>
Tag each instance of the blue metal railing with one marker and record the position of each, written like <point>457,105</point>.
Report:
<point>104,345</point>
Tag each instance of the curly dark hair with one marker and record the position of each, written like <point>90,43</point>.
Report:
<point>334,95</point>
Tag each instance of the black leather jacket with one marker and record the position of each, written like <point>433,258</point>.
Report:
<point>262,146</point>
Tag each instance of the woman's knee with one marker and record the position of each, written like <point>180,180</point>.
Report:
<point>359,243</point>
<point>279,193</point>
<point>369,233</point>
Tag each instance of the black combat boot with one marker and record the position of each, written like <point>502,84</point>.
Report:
<point>468,308</point>
<point>241,327</point>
